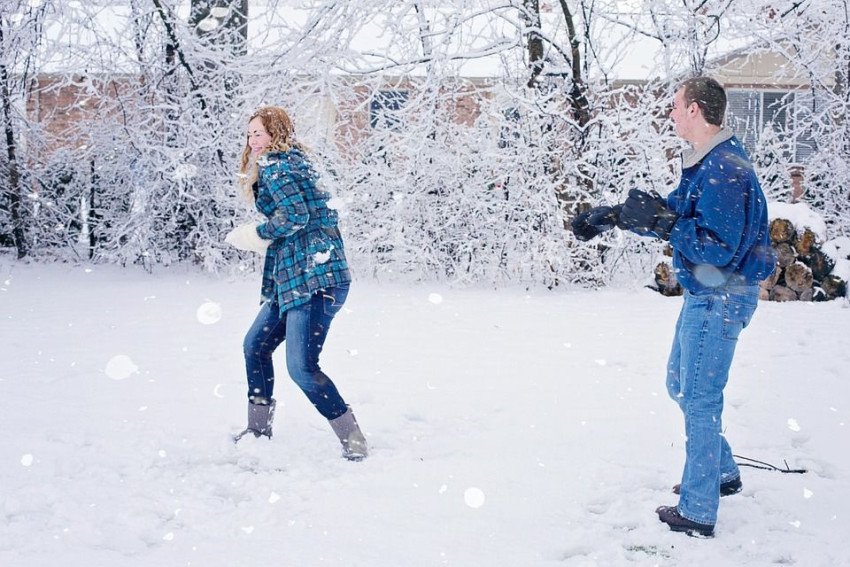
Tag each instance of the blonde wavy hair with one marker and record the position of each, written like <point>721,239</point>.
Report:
<point>279,126</point>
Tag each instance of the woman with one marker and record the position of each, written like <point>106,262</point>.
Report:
<point>305,276</point>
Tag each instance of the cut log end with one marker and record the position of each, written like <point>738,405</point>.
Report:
<point>782,230</point>
<point>803,271</point>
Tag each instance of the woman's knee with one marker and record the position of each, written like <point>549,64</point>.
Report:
<point>307,377</point>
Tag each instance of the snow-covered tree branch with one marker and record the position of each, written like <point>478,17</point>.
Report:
<point>459,137</point>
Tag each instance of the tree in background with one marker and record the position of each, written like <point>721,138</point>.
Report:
<point>441,170</point>
<point>813,30</point>
<point>21,28</point>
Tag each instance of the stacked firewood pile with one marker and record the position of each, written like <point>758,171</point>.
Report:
<point>803,271</point>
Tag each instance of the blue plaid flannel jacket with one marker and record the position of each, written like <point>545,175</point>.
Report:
<point>306,253</point>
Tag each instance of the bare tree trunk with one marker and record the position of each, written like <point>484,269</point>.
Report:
<point>238,22</point>
<point>842,74</point>
<point>578,103</point>
<point>14,190</point>
<point>173,49</point>
<point>222,24</point>
<point>173,58</point>
<point>578,98</point>
<point>534,40</point>
<point>580,111</point>
<point>91,216</point>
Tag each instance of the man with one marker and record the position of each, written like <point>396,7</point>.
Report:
<point>716,223</point>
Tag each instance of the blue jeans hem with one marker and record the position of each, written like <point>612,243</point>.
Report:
<point>691,518</point>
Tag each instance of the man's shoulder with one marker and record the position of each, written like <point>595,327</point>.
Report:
<point>729,153</point>
<point>730,144</point>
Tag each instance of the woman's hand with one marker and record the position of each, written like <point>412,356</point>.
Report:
<point>245,237</point>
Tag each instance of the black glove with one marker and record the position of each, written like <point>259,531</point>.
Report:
<point>595,221</point>
<point>647,212</point>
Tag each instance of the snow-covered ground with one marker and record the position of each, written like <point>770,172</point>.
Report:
<point>508,428</point>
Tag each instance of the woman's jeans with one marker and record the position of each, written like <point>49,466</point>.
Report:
<point>305,329</point>
<point>703,346</point>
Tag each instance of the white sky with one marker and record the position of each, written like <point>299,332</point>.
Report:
<point>623,54</point>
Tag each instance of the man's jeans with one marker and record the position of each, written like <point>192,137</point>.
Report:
<point>305,329</point>
<point>706,334</point>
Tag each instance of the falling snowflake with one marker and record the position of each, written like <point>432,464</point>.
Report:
<point>184,171</point>
<point>209,313</point>
<point>474,497</point>
<point>208,24</point>
<point>120,367</point>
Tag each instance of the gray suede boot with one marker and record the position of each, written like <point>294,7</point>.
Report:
<point>352,439</point>
<point>260,417</point>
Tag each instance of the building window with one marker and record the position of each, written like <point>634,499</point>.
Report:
<point>509,131</point>
<point>385,109</point>
<point>786,113</point>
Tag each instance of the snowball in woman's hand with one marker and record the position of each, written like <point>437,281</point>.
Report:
<point>209,313</point>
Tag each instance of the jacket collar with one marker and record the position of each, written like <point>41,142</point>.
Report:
<point>690,157</point>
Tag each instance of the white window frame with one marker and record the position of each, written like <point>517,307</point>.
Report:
<point>749,136</point>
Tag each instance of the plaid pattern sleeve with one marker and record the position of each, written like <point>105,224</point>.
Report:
<point>306,254</point>
<point>289,212</point>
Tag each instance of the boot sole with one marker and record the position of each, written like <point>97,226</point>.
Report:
<point>694,529</point>
<point>693,532</point>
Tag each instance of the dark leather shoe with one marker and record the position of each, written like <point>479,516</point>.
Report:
<point>670,516</point>
<point>727,488</point>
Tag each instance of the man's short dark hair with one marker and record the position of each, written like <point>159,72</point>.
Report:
<point>709,95</point>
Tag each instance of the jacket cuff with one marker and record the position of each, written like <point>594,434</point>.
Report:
<point>664,224</point>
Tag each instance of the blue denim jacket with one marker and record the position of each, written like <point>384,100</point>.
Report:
<point>721,237</point>
<point>306,253</point>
